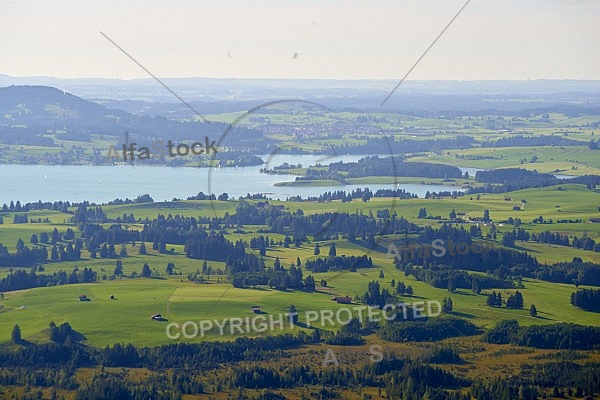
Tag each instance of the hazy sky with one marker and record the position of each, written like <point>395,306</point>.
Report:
<point>500,39</point>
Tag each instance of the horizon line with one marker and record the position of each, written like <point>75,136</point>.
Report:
<point>299,79</point>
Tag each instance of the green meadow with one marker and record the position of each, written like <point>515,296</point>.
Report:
<point>572,160</point>
<point>127,319</point>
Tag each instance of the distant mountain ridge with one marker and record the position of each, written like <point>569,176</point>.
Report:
<point>217,95</point>
<point>29,114</point>
<point>22,104</point>
<point>200,84</point>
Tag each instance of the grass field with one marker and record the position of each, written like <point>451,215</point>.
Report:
<point>127,319</point>
<point>562,202</point>
<point>572,160</point>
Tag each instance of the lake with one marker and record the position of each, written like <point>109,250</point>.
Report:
<point>100,184</point>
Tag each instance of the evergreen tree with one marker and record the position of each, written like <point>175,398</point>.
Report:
<point>452,283</point>
<point>111,251</point>
<point>104,251</point>
<point>447,305</point>
<point>332,250</point>
<point>486,215</point>
<point>142,248</point>
<point>475,231</point>
<point>170,269</point>
<point>16,334</point>
<point>491,300</point>
<point>519,302</point>
<point>20,246</point>
<point>262,249</point>
<point>317,250</point>
<point>309,284</point>
<point>54,254</point>
<point>452,214</point>
<point>44,237</point>
<point>533,311</point>
<point>475,286</point>
<point>400,288</point>
<point>146,271</point>
<point>55,236</point>
<point>316,336</point>
<point>118,268</point>
<point>293,311</point>
<point>508,239</point>
<point>515,300</point>
<point>53,332</point>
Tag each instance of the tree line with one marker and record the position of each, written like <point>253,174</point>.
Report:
<point>554,336</point>
<point>27,279</point>
<point>587,299</point>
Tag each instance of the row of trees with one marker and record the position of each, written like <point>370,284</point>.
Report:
<point>61,206</point>
<point>584,243</point>
<point>555,336</point>
<point>338,263</point>
<point>23,256</point>
<point>347,197</point>
<point>587,299</point>
<point>514,300</point>
<point>427,329</point>
<point>27,279</point>
<point>505,264</point>
<point>276,277</point>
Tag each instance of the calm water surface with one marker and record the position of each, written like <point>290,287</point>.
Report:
<point>29,183</point>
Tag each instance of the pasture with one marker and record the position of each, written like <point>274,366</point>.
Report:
<point>127,319</point>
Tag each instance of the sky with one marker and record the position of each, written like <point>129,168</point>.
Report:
<point>379,39</point>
